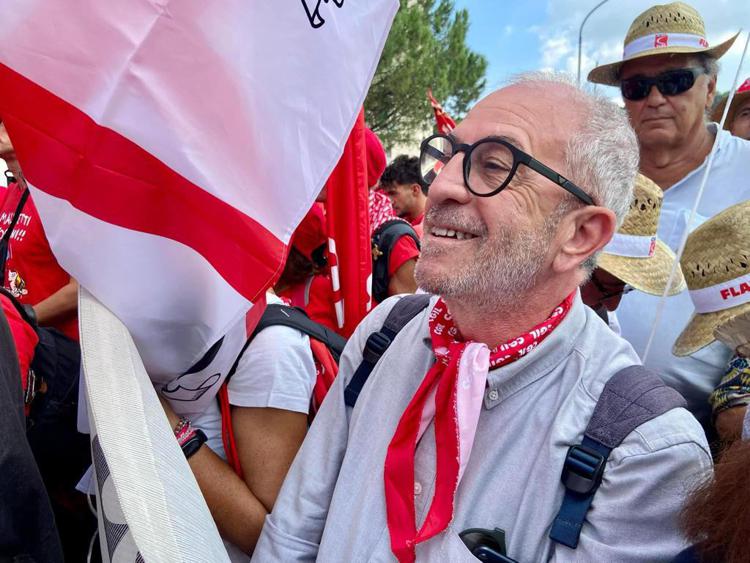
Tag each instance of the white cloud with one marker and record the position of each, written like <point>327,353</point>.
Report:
<point>606,28</point>
<point>508,30</point>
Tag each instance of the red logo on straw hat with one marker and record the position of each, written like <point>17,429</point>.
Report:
<point>735,291</point>
<point>703,42</point>
<point>661,40</point>
<point>652,247</point>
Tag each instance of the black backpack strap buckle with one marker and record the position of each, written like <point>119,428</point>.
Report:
<point>376,345</point>
<point>583,469</point>
<point>630,398</point>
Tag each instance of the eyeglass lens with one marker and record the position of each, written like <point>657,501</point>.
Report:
<point>670,83</point>
<point>490,164</point>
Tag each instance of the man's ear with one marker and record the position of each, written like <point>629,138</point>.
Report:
<point>416,189</point>
<point>583,232</point>
<point>711,92</point>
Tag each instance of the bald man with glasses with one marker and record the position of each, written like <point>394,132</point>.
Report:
<point>455,447</point>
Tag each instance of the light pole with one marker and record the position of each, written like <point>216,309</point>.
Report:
<point>580,35</point>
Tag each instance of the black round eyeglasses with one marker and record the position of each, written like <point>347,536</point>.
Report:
<point>489,165</point>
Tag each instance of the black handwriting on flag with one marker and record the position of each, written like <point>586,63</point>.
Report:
<point>316,20</point>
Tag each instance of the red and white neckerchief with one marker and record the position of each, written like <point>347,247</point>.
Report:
<point>451,393</point>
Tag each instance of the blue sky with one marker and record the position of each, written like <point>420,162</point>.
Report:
<point>525,35</point>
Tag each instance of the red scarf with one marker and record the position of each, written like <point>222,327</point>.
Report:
<point>441,381</point>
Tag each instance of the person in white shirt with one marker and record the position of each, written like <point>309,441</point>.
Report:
<point>269,395</point>
<point>718,278</point>
<point>668,81</point>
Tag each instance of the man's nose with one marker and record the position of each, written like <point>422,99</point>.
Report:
<point>449,185</point>
<point>655,98</point>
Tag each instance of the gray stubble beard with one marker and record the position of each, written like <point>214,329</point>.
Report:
<point>507,266</point>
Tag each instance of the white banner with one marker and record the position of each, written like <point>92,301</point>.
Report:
<point>660,40</point>
<point>148,502</point>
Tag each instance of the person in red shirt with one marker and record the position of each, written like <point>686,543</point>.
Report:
<point>400,182</point>
<point>402,256</point>
<point>31,272</point>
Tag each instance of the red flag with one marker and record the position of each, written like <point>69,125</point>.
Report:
<point>349,246</point>
<point>444,122</point>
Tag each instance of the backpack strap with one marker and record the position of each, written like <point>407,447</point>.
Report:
<point>383,240</point>
<point>630,398</point>
<point>403,311</point>
<point>25,310</point>
<point>294,317</point>
<point>5,240</point>
<point>327,353</point>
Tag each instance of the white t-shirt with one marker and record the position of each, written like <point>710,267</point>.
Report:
<point>278,371</point>
<point>694,376</point>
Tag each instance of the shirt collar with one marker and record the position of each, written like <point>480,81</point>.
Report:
<point>508,380</point>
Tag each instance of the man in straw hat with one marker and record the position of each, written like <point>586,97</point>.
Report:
<point>667,78</point>
<point>738,117</point>
<point>635,258</point>
<point>465,421</point>
<point>716,263</point>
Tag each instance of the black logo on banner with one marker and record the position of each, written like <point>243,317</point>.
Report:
<point>313,15</point>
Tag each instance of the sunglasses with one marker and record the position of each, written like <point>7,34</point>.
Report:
<point>670,83</point>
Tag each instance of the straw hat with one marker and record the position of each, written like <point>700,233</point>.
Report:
<point>665,28</point>
<point>740,96</point>
<point>634,254</point>
<point>716,263</point>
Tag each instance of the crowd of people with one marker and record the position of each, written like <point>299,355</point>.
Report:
<point>542,379</point>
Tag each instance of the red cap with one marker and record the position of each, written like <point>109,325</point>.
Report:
<point>311,232</point>
<point>375,157</point>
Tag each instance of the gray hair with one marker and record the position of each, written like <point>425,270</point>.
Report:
<point>603,156</point>
<point>709,64</point>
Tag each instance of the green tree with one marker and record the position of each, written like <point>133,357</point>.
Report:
<point>426,49</point>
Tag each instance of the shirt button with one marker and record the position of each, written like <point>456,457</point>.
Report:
<point>417,488</point>
<point>494,395</point>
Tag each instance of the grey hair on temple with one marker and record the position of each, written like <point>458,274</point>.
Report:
<point>602,157</point>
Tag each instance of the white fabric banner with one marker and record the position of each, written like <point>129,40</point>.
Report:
<point>148,502</point>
